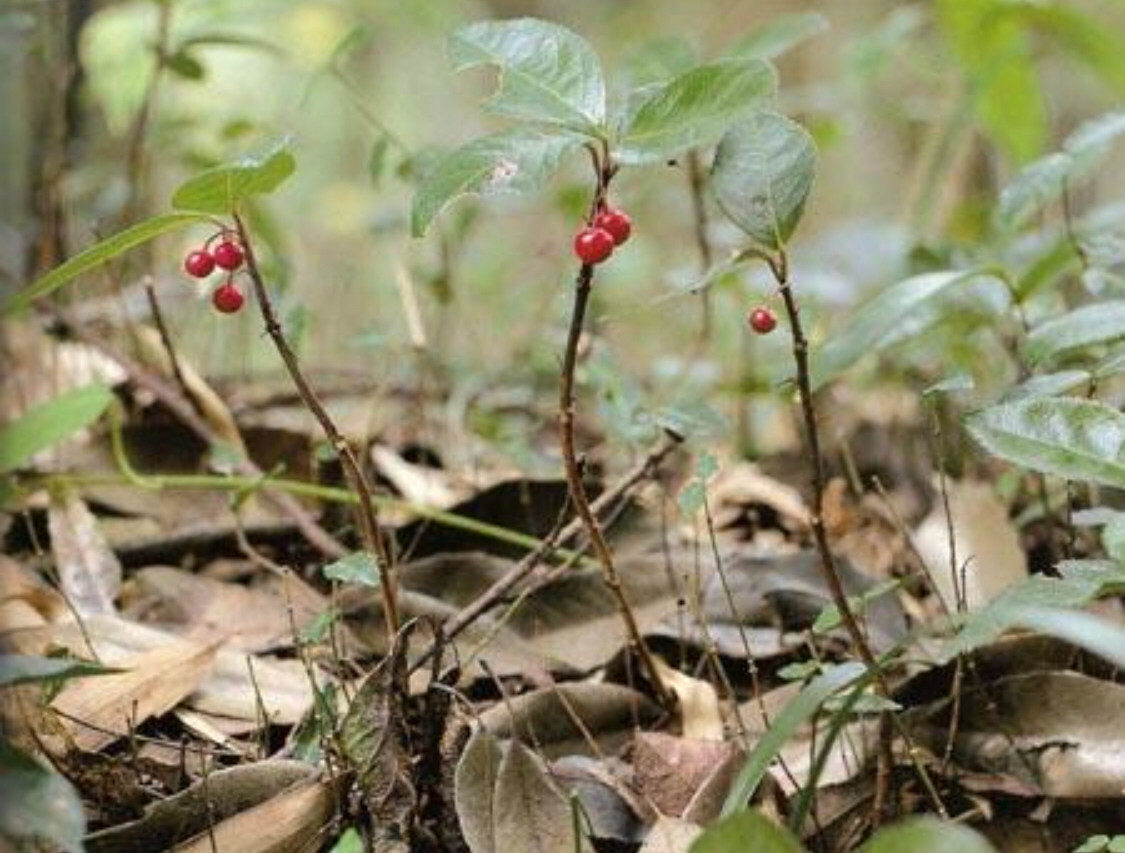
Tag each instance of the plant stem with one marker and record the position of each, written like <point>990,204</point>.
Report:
<point>573,469</point>
<point>370,530</point>
<point>779,267</point>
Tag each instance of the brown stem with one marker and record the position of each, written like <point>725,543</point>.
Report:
<point>370,530</point>
<point>578,497</point>
<point>779,267</point>
<point>169,349</point>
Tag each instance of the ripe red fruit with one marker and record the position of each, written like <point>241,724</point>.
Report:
<point>227,255</point>
<point>227,298</point>
<point>762,320</point>
<point>199,264</point>
<point>593,245</point>
<point>616,222</point>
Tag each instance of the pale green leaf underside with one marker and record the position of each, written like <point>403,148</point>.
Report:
<point>221,190</point>
<point>98,254</point>
<point>1089,325</point>
<point>875,323</point>
<point>516,161</point>
<point>694,108</point>
<point>762,175</point>
<point>50,423</point>
<point>1075,439</point>
<point>548,74</point>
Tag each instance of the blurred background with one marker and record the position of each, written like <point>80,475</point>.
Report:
<point>921,111</point>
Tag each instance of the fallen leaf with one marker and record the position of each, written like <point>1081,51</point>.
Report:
<point>89,572</point>
<point>98,711</point>
<point>669,771</point>
<point>670,835</point>
<point>698,703</point>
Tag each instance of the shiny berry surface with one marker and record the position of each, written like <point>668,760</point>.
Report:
<point>227,255</point>
<point>593,245</point>
<point>227,298</point>
<point>199,264</point>
<point>762,320</point>
<point>617,223</point>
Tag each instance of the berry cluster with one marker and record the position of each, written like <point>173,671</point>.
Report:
<point>596,242</point>
<point>226,255</point>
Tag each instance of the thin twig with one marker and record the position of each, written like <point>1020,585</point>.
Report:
<point>779,267</point>
<point>370,529</point>
<point>169,348</point>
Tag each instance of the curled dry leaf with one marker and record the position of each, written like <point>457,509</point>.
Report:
<point>700,715</point>
<point>89,572</point>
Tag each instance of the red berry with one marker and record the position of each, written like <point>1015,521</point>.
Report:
<point>762,320</point>
<point>616,222</point>
<point>593,245</point>
<point>228,255</point>
<point>199,264</point>
<point>227,298</point>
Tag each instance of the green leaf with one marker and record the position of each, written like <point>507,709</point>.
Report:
<point>1093,844</point>
<point>927,835</point>
<point>996,54</point>
<point>350,841</point>
<point>516,161</point>
<point>1085,36</point>
<point>876,322</point>
<point>1090,325</point>
<point>799,709</point>
<point>548,74</point>
<point>1074,439</point>
<point>1043,181</point>
<point>358,568</point>
<point>829,618</point>
<point>1100,636</point>
<point>223,189</point>
<point>746,831</point>
<point>762,174</point>
<point>98,254</point>
<point>657,61</point>
<point>183,63</point>
<point>37,804</point>
<point>1048,385</point>
<point>694,109</point>
<point>780,35</point>
<point>50,423</point>
<point>1113,537</point>
<point>29,669</point>
<point>377,159</point>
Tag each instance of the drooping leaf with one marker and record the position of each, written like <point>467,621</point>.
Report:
<point>1099,323</point>
<point>747,830</point>
<point>37,804</point>
<point>548,74</point>
<point>762,175</point>
<point>358,568</point>
<point>98,254</point>
<point>780,35</point>
<point>1097,635</point>
<point>1075,439</point>
<point>796,712</point>
<point>694,109</point>
<point>222,190</point>
<point>516,161</point>
<point>50,423</point>
<point>31,669</point>
<point>877,320</point>
<point>927,835</point>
